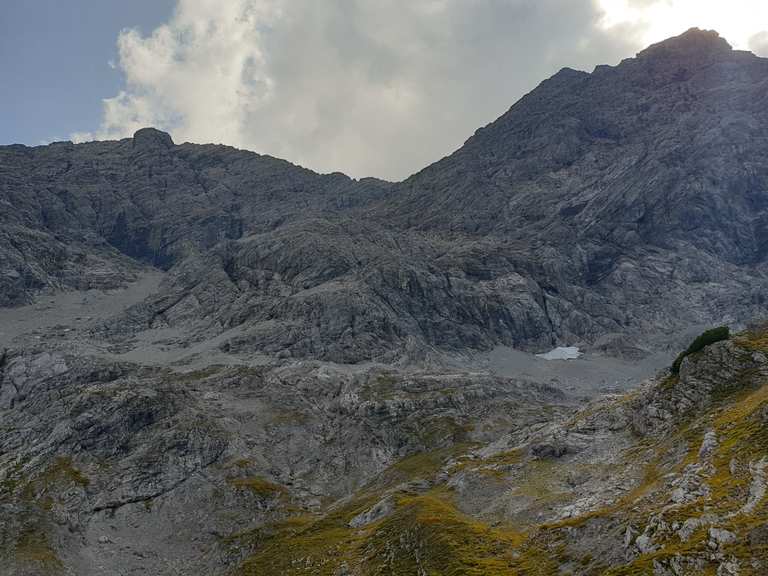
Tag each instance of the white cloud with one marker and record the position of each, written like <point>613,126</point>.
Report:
<point>759,43</point>
<point>369,88</point>
<point>655,20</point>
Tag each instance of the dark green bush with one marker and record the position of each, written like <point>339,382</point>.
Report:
<point>705,339</point>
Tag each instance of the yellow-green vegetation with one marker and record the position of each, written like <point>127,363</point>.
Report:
<point>739,418</point>
<point>670,382</point>
<point>258,486</point>
<point>740,425</point>
<point>539,481</point>
<point>644,565</point>
<point>440,431</point>
<point>383,387</point>
<point>755,339</point>
<point>495,466</point>
<point>60,474</point>
<point>33,547</point>
<point>45,488</point>
<point>280,416</point>
<point>743,432</point>
<point>305,544</point>
<point>506,458</point>
<point>428,535</point>
<point>63,469</point>
<point>425,534</point>
<point>421,466</point>
<point>269,531</point>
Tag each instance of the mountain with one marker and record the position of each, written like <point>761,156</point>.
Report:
<point>645,178</point>
<point>217,362</point>
<point>607,205</point>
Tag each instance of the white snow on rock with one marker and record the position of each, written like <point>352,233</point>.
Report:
<point>561,353</point>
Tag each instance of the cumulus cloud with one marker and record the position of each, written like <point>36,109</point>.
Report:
<point>759,43</point>
<point>655,20</point>
<point>368,88</point>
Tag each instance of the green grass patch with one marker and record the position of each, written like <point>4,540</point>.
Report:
<point>702,341</point>
<point>33,547</point>
<point>258,486</point>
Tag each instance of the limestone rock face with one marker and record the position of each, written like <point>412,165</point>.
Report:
<point>625,202</point>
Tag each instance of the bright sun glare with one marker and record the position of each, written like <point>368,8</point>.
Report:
<point>736,20</point>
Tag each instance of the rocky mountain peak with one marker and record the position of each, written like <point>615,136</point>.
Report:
<point>693,44</point>
<point>152,138</point>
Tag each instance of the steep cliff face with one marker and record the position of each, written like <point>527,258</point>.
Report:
<point>627,201</point>
<point>645,178</point>
<point>662,144</point>
<point>149,200</point>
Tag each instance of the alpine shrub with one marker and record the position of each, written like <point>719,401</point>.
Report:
<point>705,339</point>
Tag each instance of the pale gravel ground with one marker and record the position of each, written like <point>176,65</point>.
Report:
<point>73,310</point>
<point>64,316</point>
<point>156,348</point>
<point>593,373</point>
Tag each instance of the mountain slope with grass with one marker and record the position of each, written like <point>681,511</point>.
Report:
<point>670,479</point>
<point>314,470</point>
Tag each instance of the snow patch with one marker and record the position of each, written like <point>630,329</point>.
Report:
<point>561,353</point>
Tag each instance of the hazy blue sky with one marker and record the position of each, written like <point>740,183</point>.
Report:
<point>54,58</point>
<point>369,87</point>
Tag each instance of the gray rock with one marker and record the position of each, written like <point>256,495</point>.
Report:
<point>729,568</point>
<point>720,537</point>
<point>758,536</point>
<point>644,544</point>
<point>380,510</point>
<point>708,445</point>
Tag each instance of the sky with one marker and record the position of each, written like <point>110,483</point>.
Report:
<point>367,87</point>
<point>54,61</point>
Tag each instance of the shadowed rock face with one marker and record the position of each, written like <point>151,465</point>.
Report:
<point>627,201</point>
